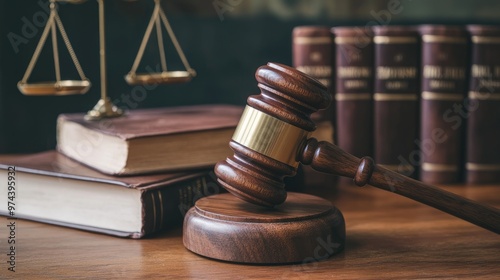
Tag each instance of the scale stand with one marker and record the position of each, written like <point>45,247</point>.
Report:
<point>104,107</point>
<point>164,77</point>
<point>57,87</point>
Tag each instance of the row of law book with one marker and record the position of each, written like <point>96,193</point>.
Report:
<point>129,176</point>
<point>422,100</point>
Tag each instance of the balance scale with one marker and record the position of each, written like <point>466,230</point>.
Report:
<point>104,107</point>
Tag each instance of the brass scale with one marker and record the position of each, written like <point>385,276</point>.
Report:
<point>104,107</point>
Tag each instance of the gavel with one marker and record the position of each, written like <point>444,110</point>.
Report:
<point>272,138</point>
<point>270,141</point>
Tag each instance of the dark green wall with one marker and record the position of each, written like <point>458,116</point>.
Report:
<point>225,53</point>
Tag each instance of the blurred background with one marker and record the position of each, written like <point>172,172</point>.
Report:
<point>224,41</point>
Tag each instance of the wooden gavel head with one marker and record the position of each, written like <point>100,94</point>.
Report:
<point>272,134</point>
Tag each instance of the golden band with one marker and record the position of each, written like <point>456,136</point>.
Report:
<point>394,40</point>
<point>484,95</point>
<point>482,167</point>
<point>395,97</point>
<point>485,40</point>
<point>353,40</point>
<point>312,40</point>
<point>270,136</point>
<point>443,39</point>
<point>352,96</point>
<point>427,95</point>
<point>437,167</point>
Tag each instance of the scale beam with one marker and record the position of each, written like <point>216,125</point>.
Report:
<point>165,77</point>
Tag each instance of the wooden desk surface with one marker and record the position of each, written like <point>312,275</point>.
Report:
<point>388,237</point>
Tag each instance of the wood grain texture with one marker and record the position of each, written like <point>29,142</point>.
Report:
<point>388,237</point>
<point>224,227</point>
<point>289,95</point>
<point>253,177</point>
<point>329,158</point>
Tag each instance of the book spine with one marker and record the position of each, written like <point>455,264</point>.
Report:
<point>354,89</point>
<point>395,101</point>
<point>443,89</point>
<point>165,207</point>
<point>313,53</point>
<point>483,123</point>
<point>312,50</point>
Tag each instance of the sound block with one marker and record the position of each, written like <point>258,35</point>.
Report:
<point>304,228</point>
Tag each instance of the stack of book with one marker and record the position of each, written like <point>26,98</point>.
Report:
<point>422,100</point>
<point>129,176</point>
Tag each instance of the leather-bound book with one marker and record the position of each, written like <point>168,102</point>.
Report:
<point>313,52</point>
<point>443,90</point>
<point>150,140</point>
<point>354,89</point>
<point>396,95</point>
<point>49,187</point>
<point>483,123</point>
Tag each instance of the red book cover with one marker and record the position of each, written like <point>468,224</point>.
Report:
<point>396,95</point>
<point>354,89</point>
<point>483,122</point>
<point>443,90</point>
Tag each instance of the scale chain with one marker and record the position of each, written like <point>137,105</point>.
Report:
<point>175,42</point>
<point>161,48</point>
<point>70,48</point>
<point>53,20</point>
<point>38,49</point>
<point>145,39</point>
<point>55,49</point>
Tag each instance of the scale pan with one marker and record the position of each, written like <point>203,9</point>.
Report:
<point>170,77</point>
<point>65,87</point>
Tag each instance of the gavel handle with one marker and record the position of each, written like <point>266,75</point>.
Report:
<point>326,157</point>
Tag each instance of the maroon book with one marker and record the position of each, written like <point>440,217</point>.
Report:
<point>483,123</point>
<point>54,189</point>
<point>443,90</point>
<point>397,84</point>
<point>150,140</point>
<point>354,89</point>
<point>313,53</point>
